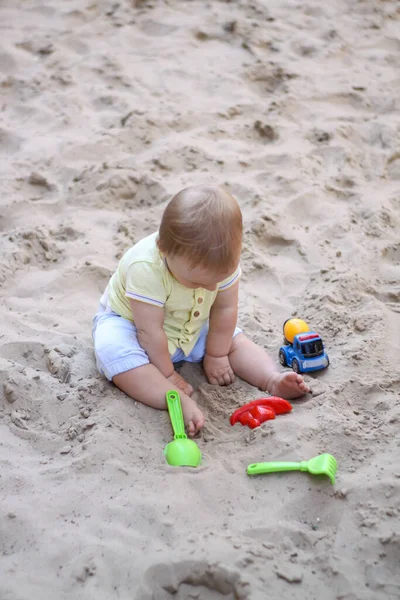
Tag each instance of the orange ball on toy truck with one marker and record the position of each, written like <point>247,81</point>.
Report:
<point>292,327</point>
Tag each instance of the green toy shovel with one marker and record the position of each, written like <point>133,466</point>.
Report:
<point>324,464</point>
<point>181,452</point>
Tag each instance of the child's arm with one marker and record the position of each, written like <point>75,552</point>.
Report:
<point>223,318</point>
<point>149,321</point>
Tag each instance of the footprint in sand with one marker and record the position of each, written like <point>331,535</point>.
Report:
<point>191,579</point>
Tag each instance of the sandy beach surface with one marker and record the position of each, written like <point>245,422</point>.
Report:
<point>107,109</point>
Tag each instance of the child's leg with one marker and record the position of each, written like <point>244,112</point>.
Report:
<point>147,385</point>
<point>121,359</point>
<point>254,365</point>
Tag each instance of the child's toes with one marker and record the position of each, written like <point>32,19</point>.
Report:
<point>302,384</point>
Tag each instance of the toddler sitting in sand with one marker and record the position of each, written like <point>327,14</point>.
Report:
<point>174,297</point>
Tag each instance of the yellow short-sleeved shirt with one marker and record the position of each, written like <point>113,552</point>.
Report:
<point>143,275</point>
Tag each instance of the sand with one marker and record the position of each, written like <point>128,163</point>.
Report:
<point>107,109</point>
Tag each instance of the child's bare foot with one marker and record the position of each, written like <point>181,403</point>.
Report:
<point>287,385</point>
<point>192,415</point>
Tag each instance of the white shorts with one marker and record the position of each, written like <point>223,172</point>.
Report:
<point>117,348</point>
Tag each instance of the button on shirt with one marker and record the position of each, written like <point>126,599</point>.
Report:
<point>143,275</point>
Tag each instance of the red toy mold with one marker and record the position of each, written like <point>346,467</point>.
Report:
<point>256,412</point>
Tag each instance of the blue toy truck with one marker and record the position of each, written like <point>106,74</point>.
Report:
<point>305,354</point>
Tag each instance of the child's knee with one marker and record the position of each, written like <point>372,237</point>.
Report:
<point>116,346</point>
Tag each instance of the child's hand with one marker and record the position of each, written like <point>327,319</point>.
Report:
<point>180,383</point>
<point>193,417</point>
<point>218,370</point>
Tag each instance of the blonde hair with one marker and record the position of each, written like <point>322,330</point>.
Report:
<point>204,225</point>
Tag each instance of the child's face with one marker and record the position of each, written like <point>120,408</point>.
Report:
<point>195,277</point>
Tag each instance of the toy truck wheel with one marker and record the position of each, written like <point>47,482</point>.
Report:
<point>282,358</point>
<point>296,366</point>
